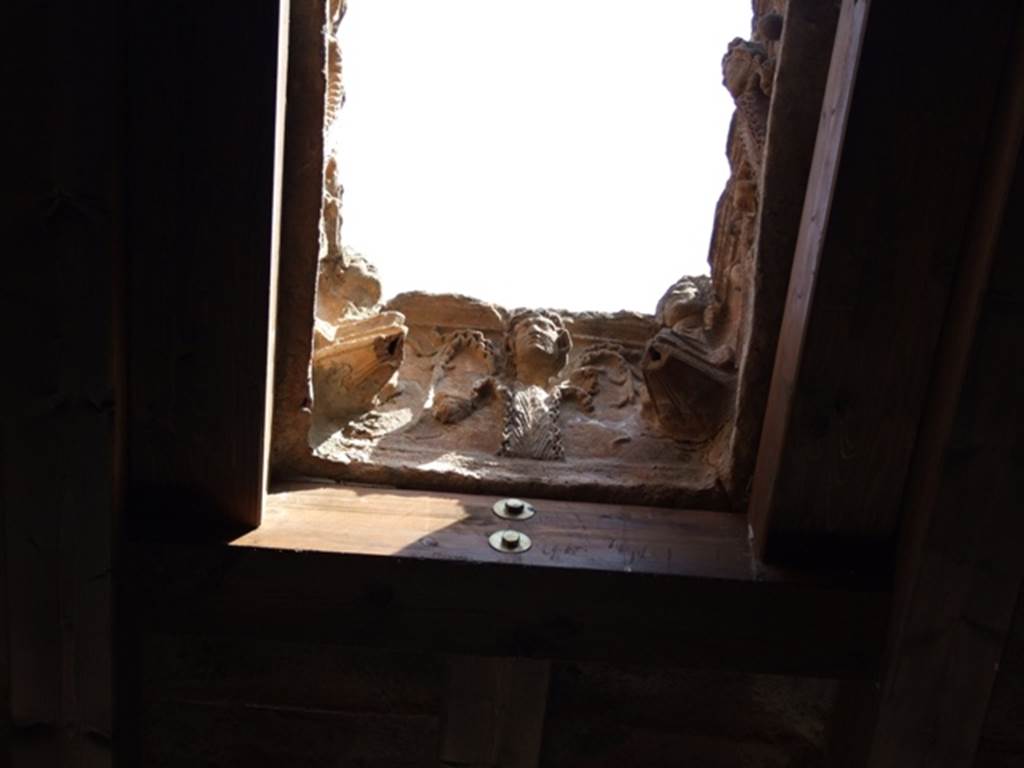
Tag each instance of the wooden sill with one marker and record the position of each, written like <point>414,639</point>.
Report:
<point>454,527</point>
<point>411,572</point>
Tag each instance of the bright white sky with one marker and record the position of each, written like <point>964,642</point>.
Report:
<point>560,153</point>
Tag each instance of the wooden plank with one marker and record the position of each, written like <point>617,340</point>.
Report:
<point>60,445</point>
<point>451,607</point>
<point>872,278</point>
<point>523,695</point>
<point>203,111</point>
<point>947,646</point>
<point>208,733</point>
<point>40,751</point>
<point>259,671</point>
<point>280,122</point>
<point>807,257</point>
<point>706,607</point>
<point>494,712</point>
<point>961,571</point>
<point>253,696</point>
<point>370,521</point>
<point>300,232</point>
<point>1002,736</point>
<point>60,497</point>
<point>6,722</point>
<point>849,726</point>
<point>254,700</point>
<point>798,93</point>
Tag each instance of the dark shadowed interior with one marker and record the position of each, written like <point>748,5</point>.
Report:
<point>182,586</point>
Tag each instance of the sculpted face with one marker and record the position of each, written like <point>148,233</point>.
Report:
<point>741,64</point>
<point>685,301</point>
<point>540,347</point>
<point>536,334</point>
<point>736,71</point>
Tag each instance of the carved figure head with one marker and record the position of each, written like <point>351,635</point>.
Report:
<point>746,66</point>
<point>537,345</point>
<point>685,301</point>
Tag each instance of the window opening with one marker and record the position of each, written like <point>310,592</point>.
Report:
<point>443,390</point>
<point>550,154</point>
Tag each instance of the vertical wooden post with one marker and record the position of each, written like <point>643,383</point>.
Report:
<point>835,113</point>
<point>203,182</point>
<point>494,712</point>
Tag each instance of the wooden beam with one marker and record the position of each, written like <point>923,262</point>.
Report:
<point>60,436</point>
<point>807,257</point>
<point>201,190</point>
<point>1002,736</point>
<point>601,582</point>
<point>884,222</point>
<point>802,71</point>
<point>449,526</point>
<point>300,232</point>
<point>494,712</point>
<point>961,569</point>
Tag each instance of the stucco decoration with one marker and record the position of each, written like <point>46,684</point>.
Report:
<point>690,366</point>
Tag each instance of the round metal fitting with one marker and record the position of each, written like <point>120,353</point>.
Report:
<point>509,541</point>
<point>514,509</point>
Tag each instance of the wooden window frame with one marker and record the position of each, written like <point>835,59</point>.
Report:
<point>603,567</point>
<point>201,310</point>
<point>696,560</point>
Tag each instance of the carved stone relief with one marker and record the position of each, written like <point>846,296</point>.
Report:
<point>334,99</point>
<point>608,405</point>
<point>690,365</point>
<point>456,386</point>
<point>356,348</point>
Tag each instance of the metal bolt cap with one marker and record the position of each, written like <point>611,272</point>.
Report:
<point>509,541</point>
<point>514,509</point>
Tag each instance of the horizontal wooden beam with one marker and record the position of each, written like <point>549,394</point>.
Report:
<point>448,526</point>
<point>413,571</point>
